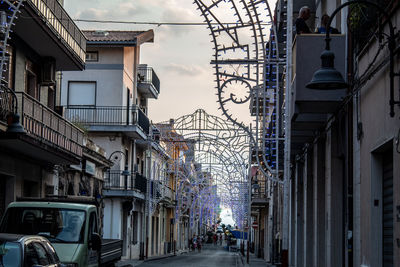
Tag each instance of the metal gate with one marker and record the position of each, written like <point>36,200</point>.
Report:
<point>387,213</point>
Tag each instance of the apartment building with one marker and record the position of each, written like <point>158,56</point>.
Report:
<point>344,142</point>
<point>109,100</point>
<point>34,137</point>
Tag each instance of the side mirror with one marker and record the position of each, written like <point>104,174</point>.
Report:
<point>95,242</point>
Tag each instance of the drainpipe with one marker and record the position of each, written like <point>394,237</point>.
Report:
<point>286,178</point>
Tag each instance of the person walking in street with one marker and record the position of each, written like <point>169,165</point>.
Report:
<point>199,243</point>
<point>215,239</point>
<point>194,241</point>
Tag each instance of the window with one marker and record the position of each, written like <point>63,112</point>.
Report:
<point>81,93</point>
<point>92,225</point>
<point>134,227</point>
<point>57,225</point>
<point>92,56</point>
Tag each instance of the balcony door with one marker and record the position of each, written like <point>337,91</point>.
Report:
<point>31,80</point>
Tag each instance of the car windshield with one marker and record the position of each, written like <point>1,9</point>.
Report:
<point>10,254</point>
<point>57,225</point>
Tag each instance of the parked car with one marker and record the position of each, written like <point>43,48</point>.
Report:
<point>21,251</point>
<point>71,228</point>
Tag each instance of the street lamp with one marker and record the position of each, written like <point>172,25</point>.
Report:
<point>13,120</point>
<point>328,78</point>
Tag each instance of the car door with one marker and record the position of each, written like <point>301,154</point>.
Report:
<point>93,255</point>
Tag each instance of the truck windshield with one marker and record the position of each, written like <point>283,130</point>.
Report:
<point>10,254</point>
<point>57,225</point>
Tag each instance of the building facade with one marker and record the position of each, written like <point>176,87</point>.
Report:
<point>29,161</point>
<point>343,142</point>
<point>109,100</point>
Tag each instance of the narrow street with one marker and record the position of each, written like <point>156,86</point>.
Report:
<point>209,256</point>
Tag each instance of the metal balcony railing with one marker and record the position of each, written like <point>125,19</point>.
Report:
<point>167,192</point>
<point>148,75</point>
<point>117,180</point>
<point>61,24</point>
<point>41,122</point>
<point>108,116</point>
<point>258,189</point>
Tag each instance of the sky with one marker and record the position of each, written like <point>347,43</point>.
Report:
<point>180,55</point>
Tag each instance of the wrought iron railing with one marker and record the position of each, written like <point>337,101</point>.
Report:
<point>149,76</point>
<point>61,24</point>
<point>258,189</point>
<point>108,116</point>
<point>7,103</point>
<point>40,121</point>
<point>116,179</point>
<point>167,192</point>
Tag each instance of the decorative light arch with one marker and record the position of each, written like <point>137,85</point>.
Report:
<point>248,68</point>
<point>213,165</point>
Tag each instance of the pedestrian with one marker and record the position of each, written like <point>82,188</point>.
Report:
<point>215,239</point>
<point>304,15</point>
<point>324,24</point>
<point>194,243</point>
<point>199,243</point>
<point>220,240</point>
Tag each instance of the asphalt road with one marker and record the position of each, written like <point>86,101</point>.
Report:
<point>210,256</point>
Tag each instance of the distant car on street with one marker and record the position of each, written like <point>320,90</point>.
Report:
<point>21,251</point>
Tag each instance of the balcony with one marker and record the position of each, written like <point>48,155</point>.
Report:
<point>258,191</point>
<point>49,139</point>
<point>311,108</point>
<point>148,82</point>
<point>130,120</point>
<point>49,30</point>
<point>118,184</point>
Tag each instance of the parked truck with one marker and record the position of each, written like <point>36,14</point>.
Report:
<point>72,229</point>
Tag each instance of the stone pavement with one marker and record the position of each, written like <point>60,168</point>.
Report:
<point>210,256</point>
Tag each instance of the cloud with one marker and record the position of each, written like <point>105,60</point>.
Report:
<point>185,70</point>
<point>122,11</point>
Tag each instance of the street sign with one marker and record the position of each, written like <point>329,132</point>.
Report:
<point>254,225</point>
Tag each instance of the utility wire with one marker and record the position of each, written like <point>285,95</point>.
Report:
<point>165,23</point>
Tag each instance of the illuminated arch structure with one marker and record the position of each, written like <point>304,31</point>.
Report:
<point>248,66</point>
<point>8,14</point>
<point>209,161</point>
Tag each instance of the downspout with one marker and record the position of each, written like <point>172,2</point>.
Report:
<point>286,240</point>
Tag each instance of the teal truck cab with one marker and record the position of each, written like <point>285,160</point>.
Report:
<point>72,229</point>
